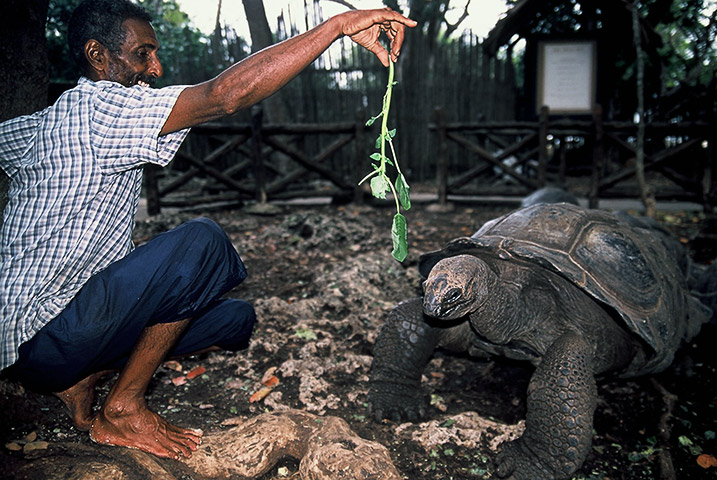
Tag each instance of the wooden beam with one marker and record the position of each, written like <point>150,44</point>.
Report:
<point>485,154</point>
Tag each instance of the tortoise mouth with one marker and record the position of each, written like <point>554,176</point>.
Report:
<point>442,309</point>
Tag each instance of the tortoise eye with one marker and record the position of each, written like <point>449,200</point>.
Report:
<point>454,294</point>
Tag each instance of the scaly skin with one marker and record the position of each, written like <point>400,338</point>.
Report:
<point>562,397</point>
<point>526,313</point>
<point>395,387</point>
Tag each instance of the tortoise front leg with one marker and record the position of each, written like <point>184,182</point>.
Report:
<point>403,347</point>
<point>562,397</point>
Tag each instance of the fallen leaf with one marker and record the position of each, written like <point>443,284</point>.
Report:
<point>271,382</point>
<point>181,380</point>
<point>13,446</point>
<point>706,461</point>
<point>268,374</point>
<point>31,437</point>
<point>173,365</point>
<point>233,421</point>
<point>39,445</point>
<point>195,372</point>
<point>260,394</point>
<point>306,334</point>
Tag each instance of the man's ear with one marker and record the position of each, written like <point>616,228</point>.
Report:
<point>96,56</point>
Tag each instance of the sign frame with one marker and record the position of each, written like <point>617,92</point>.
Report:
<point>567,76</point>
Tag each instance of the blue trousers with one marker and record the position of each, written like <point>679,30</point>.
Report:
<point>179,274</point>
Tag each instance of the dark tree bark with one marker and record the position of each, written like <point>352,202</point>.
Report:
<point>258,25</point>
<point>24,69</point>
<point>261,37</point>
<point>24,76</point>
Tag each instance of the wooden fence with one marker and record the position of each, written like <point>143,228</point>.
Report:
<point>260,162</point>
<point>515,158</point>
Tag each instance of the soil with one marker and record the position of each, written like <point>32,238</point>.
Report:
<point>322,281</point>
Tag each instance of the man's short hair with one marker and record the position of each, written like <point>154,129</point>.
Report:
<point>101,20</point>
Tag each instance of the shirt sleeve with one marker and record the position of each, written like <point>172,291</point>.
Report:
<point>126,126</point>
<point>16,136</point>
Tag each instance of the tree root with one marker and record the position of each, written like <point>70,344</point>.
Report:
<point>326,447</point>
<point>664,428</point>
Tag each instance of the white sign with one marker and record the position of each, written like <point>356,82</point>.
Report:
<point>566,76</point>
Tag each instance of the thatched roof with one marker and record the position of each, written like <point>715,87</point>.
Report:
<point>520,18</point>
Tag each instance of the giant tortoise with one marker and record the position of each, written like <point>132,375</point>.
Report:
<point>580,293</point>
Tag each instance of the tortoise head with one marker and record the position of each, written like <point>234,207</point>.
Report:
<point>456,286</point>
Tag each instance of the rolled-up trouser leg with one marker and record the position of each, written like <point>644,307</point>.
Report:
<point>177,275</point>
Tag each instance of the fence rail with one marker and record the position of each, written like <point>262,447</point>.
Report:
<point>529,155</point>
<point>261,162</point>
<point>257,162</point>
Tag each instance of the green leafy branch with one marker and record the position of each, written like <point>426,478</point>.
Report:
<point>380,182</point>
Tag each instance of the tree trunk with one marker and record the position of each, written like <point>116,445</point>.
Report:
<point>24,72</point>
<point>261,37</point>
<point>646,193</point>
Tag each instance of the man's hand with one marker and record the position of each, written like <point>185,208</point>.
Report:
<point>365,26</point>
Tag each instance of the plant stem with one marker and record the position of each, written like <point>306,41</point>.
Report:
<point>386,107</point>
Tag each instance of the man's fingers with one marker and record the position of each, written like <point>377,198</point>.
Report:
<point>380,52</point>
<point>366,35</point>
<point>396,42</point>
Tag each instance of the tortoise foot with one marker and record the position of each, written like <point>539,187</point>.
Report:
<point>517,462</point>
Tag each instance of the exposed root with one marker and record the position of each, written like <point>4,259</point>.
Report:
<point>664,428</point>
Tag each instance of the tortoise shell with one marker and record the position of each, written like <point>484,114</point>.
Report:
<point>625,268</point>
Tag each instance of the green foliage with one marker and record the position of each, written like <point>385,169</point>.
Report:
<point>62,66</point>
<point>380,182</point>
<point>681,61</point>
<point>186,53</point>
<point>689,30</point>
<point>305,334</point>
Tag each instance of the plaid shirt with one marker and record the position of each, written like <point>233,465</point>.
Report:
<point>75,179</point>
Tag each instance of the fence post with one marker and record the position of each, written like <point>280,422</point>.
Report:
<point>707,187</point>
<point>442,168</point>
<point>543,144</point>
<point>598,158</point>
<point>359,154</point>
<point>151,189</point>
<point>257,114</point>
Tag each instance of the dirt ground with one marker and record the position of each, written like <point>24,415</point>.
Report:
<point>322,280</point>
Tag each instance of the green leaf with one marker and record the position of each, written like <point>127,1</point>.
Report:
<point>379,186</point>
<point>402,188</point>
<point>376,156</point>
<point>399,234</point>
<point>371,120</point>
<point>391,133</point>
<point>306,334</point>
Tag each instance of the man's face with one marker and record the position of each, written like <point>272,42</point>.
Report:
<point>137,63</point>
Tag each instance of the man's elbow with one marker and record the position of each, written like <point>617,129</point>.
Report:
<point>230,99</point>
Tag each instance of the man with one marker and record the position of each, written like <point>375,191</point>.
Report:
<point>77,300</point>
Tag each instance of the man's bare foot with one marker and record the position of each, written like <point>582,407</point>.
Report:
<point>78,400</point>
<point>139,427</point>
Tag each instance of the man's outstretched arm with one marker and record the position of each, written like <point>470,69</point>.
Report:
<point>263,73</point>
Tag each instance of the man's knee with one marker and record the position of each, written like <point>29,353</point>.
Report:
<point>207,254</point>
<point>226,324</point>
<point>240,326</point>
<point>205,233</point>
